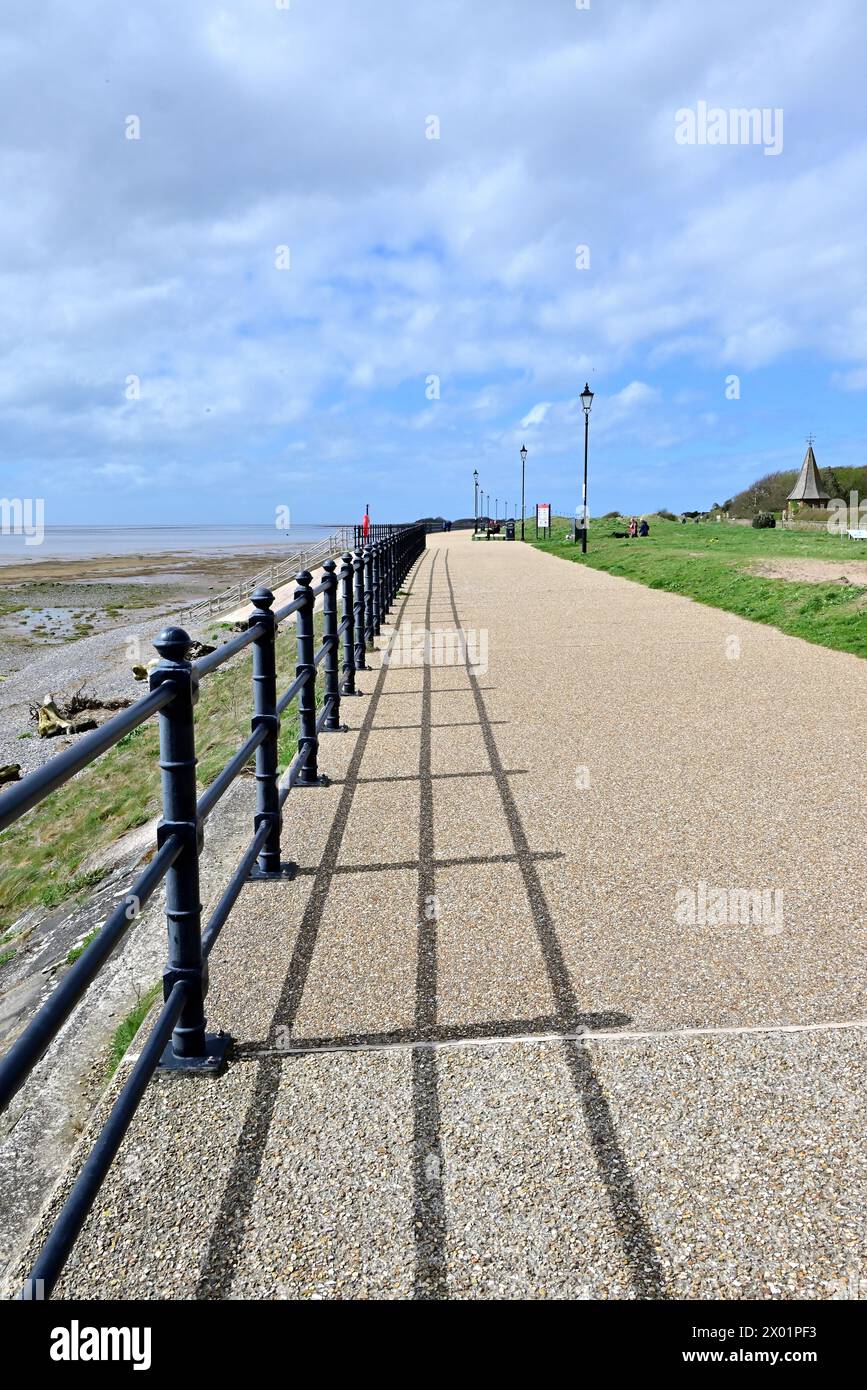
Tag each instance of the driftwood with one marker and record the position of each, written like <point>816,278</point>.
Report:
<point>50,722</point>
<point>73,714</point>
<point>10,772</point>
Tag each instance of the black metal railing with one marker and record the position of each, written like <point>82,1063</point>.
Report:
<point>380,531</point>
<point>367,582</point>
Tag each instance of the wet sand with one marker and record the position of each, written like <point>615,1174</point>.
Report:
<point>200,571</point>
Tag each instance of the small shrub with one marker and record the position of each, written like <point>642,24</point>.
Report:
<point>72,956</point>
<point>763,521</point>
<point>126,1031</point>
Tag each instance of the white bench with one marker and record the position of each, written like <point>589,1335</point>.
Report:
<point>859,535</point>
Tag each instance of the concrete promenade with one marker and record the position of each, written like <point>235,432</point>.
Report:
<point>505,1035</point>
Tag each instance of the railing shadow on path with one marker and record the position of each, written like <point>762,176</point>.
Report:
<point>567,1021</point>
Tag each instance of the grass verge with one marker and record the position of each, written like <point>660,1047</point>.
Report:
<point>713,563</point>
<point>41,854</point>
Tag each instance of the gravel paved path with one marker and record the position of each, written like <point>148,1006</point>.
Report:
<point>519,1028</point>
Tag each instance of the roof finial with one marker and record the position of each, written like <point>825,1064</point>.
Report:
<point>811,438</point>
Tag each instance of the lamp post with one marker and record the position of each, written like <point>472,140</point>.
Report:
<point>586,402</point>
<point>475,499</point>
<point>523,508</point>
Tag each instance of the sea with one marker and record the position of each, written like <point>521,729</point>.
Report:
<point>88,542</point>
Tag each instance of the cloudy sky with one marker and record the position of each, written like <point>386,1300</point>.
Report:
<point>360,247</point>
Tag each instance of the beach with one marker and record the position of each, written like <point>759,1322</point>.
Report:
<point>70,618</point>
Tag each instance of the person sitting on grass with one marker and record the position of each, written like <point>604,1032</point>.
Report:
<point>633,527</point>
<point>644,529</point>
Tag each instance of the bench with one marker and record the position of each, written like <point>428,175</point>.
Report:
<point>858,535</point>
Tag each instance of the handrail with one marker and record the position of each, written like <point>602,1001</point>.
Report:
<point>73,1214</point>
<point>368,582</point>
<point>26,1051</point>
<point>27,793</point>
<point>279,572</point>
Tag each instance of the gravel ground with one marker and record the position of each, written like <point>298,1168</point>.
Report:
<point>498,858</point>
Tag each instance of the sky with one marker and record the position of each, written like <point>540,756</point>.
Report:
<point>314,254</point>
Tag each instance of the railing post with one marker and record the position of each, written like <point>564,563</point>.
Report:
<point>190,1049</point>
<point>269,864</point>
<point>377,587</point>
<point>389,571</point>
<point>368,597</point>
<point>359,609</point>
<point>331,659</point>
<point>386,586</point>
<point>308,739</point>
<point>348,607</point>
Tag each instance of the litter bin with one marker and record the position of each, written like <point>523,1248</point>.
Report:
<point>510,530</point>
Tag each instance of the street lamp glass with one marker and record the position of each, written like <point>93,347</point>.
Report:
<point>523,452</point>
<point>586,397</point>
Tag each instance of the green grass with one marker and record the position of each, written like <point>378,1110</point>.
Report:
<point>72,956</point>
<point>42,853</point>
<point>54,892</point>
<point>6,956</point>
<point>713,564</point>
<point>126,1031</point>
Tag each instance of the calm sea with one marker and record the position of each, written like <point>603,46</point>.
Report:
<point>88,541</point>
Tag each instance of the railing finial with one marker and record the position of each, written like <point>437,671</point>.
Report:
<point>173,644</point>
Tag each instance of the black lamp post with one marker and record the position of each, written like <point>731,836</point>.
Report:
<point>523,508</point>
<point>586,402</point>
<point>475,499</point>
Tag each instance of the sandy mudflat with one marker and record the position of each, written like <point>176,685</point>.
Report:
<point>201,571</point>
<point>71,622</point>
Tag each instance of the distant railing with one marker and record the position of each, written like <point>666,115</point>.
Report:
<point>368,581</point>
<point>279,572</point>
<point>379,531</point>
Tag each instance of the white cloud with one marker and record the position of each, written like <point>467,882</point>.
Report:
<point>409,257</point>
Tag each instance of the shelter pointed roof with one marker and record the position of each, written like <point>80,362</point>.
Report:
<point>808,488</point>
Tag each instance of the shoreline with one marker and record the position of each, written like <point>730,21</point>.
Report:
<point>84,622</point>
<point>232,563</point>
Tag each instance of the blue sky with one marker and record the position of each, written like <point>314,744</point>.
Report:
<point>412,258</point>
